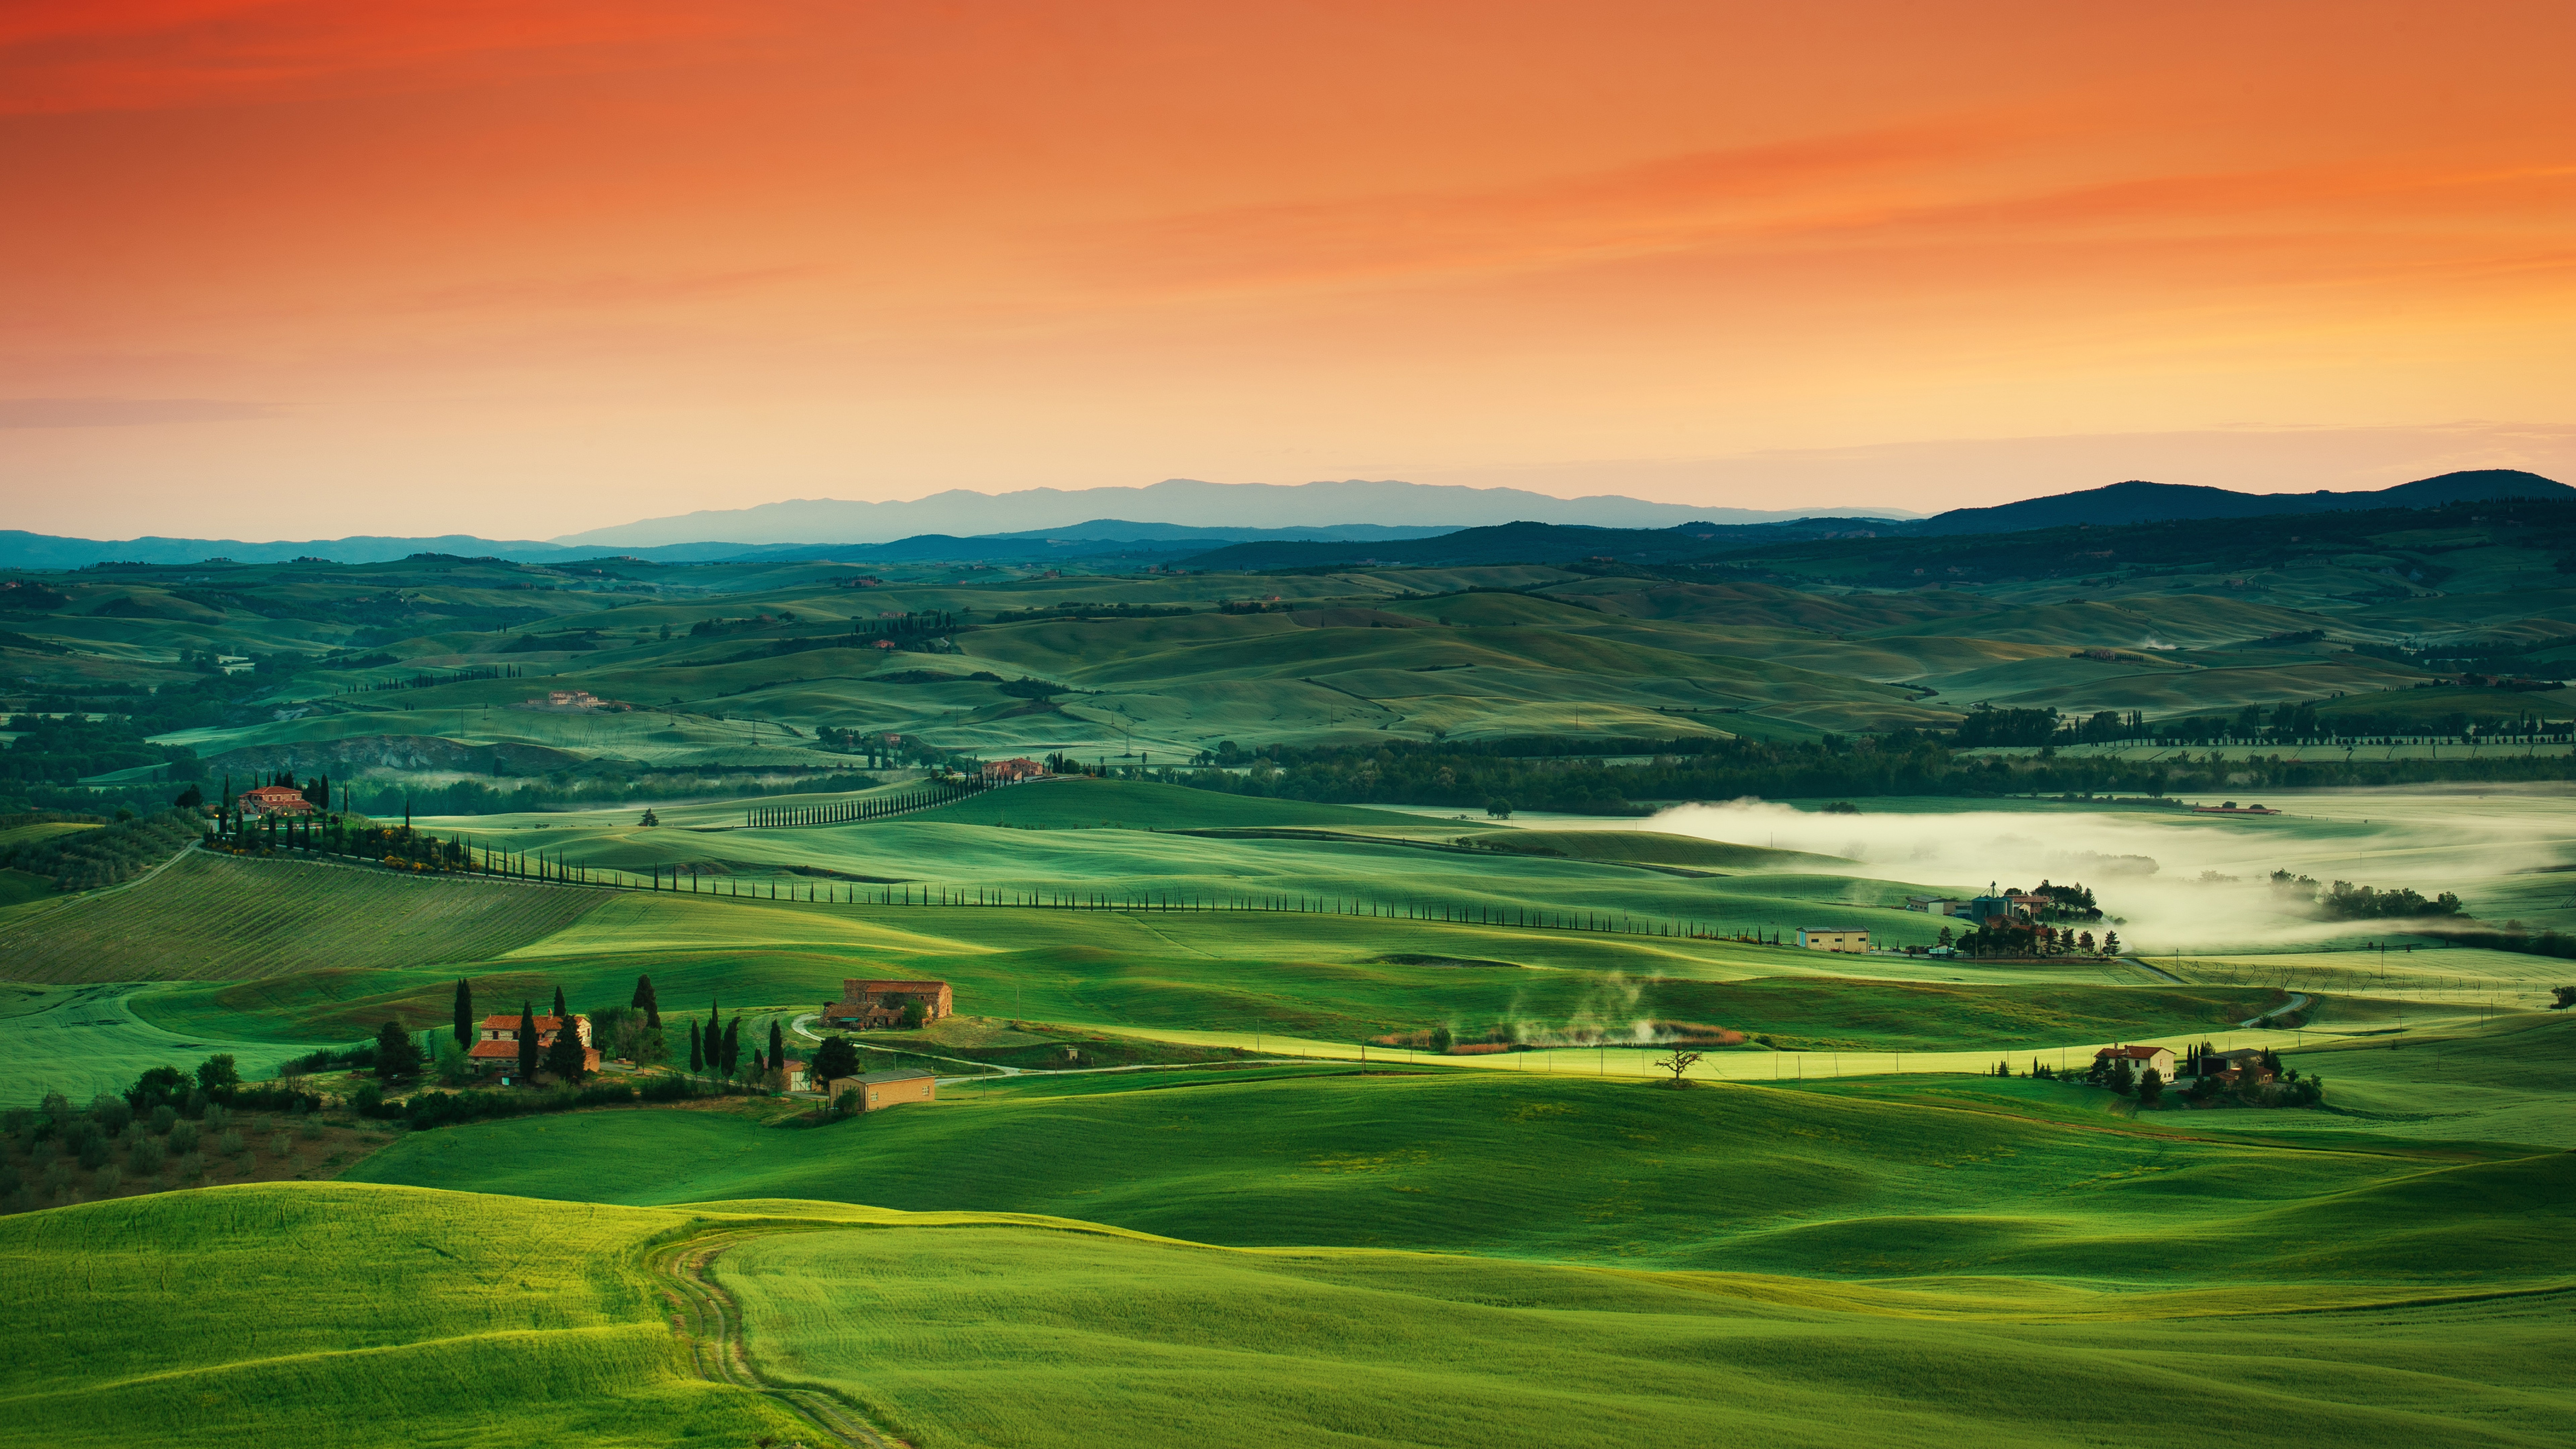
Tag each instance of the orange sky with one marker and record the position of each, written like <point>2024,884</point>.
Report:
<point>302,269</point>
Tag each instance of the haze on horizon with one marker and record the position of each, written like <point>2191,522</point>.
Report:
<point>299,270</point>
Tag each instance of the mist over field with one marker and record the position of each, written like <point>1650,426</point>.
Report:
<point>2175,882</point>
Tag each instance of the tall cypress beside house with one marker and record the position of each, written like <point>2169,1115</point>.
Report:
<point>777,1045</point>
<point>527,1042</point>
<point>464,1014</point>
<point>645,1003</point>
<point>697,1052</point>
<point>559,1004</point>
<point>566,1058</point>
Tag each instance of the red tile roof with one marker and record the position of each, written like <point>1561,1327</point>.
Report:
<point>2134,1053</point>
<point>509,1021</point>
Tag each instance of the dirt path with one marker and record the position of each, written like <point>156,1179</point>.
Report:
<point>710,1322</point>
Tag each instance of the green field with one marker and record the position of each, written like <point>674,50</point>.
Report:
<point>1021,1336</point>
<point>222,917</point>
<point>350,1316</point>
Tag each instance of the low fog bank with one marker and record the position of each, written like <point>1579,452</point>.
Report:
<point>2178,882</point>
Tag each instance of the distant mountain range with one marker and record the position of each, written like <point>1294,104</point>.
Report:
<point>1673,531</point>
<point>1184,502</point>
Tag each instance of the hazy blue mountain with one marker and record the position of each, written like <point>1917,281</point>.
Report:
<point>1182,502</point>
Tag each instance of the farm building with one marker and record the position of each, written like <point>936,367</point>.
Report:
<point>880,1090</point>
<point>496,1043</point>
<point>2141,1060</point>
<point>1835,938</point>
<point>2248,1067</point>
<point>275,800</point>
<point>1012,771</point>
<point>869,1005</point>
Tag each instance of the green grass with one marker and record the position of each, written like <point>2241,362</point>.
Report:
<point>83,1040</point>
<point>223,917</point>
<point>1723,1178</point>
<point>1021,1336</point>
<point>331,1315</point>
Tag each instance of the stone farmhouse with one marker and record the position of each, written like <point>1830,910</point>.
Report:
<point>275,800</point>
<point>2141,1060</point>
<point>874,1005</point>
<point>496,1043</point>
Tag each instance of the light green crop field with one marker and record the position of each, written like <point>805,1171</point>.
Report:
<point>1022,1336</point>
<point>43,830</point>
<point>83,1040</point>
<point>227,917</point>
<point>2039,1182</point>
<point>330,1315</point>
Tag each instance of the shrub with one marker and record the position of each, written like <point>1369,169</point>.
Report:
<point>145,1156</point>
<point>231,1144</point>
<point>164,1117</point>
<point>111,1112</point>
<point>192,1166</point>
<point>281,1145</point>
<point>109,1180</point>
<point>183,1138</point>
<point>93,1151</point>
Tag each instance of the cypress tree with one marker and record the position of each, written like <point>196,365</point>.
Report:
<point>464,1014</point>
<point>715,1035</point>
<point>732,1044</point>
<point>645,1003</point>
<point>565,1057</point>
<point>777,1045</point>
<point>697,1055</point>
<point>559,1004</point>
<point>527,1041</point>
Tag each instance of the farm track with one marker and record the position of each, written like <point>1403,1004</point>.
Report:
<point>710,1321</point>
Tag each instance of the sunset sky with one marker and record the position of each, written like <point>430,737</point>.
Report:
<point>306,269</point>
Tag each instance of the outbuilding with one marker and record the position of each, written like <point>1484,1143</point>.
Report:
<point>879,1090</point>
<point>1832,938</point>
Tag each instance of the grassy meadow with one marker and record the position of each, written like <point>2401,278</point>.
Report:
<point>1294,1223</point>
<point>1027,1337</point>
<point>350,1316</point>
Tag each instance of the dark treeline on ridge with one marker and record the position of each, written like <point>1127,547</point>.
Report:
<point>1574,777</point>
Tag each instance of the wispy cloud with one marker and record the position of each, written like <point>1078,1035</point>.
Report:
<point>123,412</point>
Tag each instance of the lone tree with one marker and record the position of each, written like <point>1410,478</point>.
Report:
<point>397,1055</point>
<point>650,819</point>
<point>527,1041</point>
<point>777,1046</point>
<point>2566,997</point>
<point>1499,808</point>
<point>464,1014</point>
<point>564,1056</point>
<point>2110,943</point>
<point>645,1002</point>
<point>1679,1064</point>
<point>2150,1087</point>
